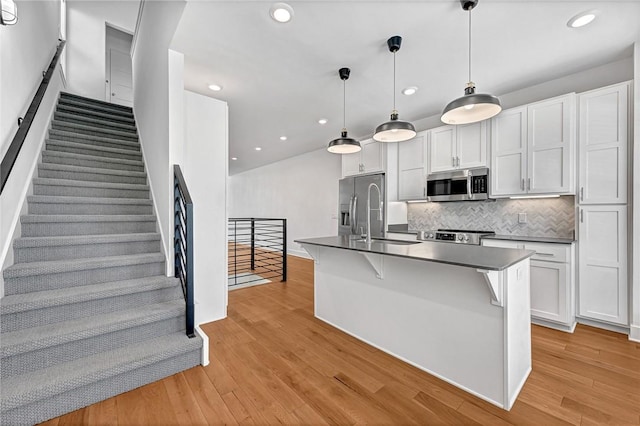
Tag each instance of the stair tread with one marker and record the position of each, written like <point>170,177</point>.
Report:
<point>71,218</point>
<point>77,110</point>
<point>67,265</point>
<point>70,144</point>
<point>89,157</point>
<point>89,183</point>
<point>63,296</point>
<point>95,170</point>
<point>68,95</point>
<point>37,385</point>
<point>90,108</point>
<point>87,200</point>
<point>60,116</point>
<point>78,126</point>
<point>34,338</point>
<point>71,240</point>
<point>63,133</point>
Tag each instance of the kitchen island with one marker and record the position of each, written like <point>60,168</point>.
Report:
<point>456,311</point>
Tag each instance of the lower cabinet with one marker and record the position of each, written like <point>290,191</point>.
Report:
<point>552,281</point>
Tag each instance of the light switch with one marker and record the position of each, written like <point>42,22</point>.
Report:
<point>522,218</point>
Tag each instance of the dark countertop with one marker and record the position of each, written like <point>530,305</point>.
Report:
<point>552,240</point>
<point>471,256</point>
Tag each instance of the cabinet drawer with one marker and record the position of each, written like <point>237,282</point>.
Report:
<point>549,252</point>
<point>501,244</point>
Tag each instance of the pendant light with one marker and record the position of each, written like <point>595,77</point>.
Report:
<point>8,12</point>
<point>394,130</point>
<point>344,144</point>
<point>472,107</point>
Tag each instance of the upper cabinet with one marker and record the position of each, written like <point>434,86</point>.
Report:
<point>458,147</point>
<point>532,149</point>
<point>412,160</point>
<point>370,159</point>
<point>603,135</point>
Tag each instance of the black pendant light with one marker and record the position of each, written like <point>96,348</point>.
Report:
<point>472,107</point>
<point>344,144</point>
<point>394,130</point>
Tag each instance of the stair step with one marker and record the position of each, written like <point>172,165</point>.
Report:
<point>96,114</point>
<point>64,136</point>
<point>51,225</point>
<point>98,102</point>
<point>58,205</point>
<point>72,159</point>
<point>93,122</point>
<point>44,394</point>
<point>98,151</point>
<point>35,309</point>
<point>41,249</point>
<point>93,107</point>
<point>79,188</point>
<point>62,171</point>
<point>23,278</point>
<point>93,131</point>
<point>40,347</point>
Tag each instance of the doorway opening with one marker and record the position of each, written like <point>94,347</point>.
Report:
<point>118,72</point>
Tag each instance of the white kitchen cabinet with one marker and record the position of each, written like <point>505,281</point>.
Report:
<point>552,281</point>
<point>602,260</point>
<point>371,158</point>
<point>532,149</point>
<point>412,168</point>
<point>603,135</point>
<point>458,147</point>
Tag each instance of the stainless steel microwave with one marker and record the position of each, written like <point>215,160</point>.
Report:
<point>458,185</point>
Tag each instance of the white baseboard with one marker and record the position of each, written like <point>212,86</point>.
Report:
<point>634,333</point>
<point>603,325</point>
<point>205,346</point>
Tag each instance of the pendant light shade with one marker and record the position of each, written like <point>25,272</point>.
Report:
<point>344,144</point>
<point>8,12</point>
<point>394,130</point>
<point>472,107</point>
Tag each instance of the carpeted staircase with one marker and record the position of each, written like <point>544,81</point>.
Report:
<point>88,312</point>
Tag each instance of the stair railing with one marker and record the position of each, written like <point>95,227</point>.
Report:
<point>183,243</point>
<point>24,124</point>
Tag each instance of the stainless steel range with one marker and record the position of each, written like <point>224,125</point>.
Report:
<point>459,236</point>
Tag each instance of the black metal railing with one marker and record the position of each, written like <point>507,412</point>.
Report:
<point>24,124</point>
<point>183,243</point>
<point>257,250</point>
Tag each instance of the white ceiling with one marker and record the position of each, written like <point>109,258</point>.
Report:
<point>279,79</point>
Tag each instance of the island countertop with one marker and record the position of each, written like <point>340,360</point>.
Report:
<point>471,256</point>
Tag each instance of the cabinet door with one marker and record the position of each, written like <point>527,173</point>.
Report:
<point>442,149</point>
<point>508,153</point>
<point>411,169</point>
<point>351,164</point>
<point>372,156</point>
<point>471,145</point>
<point>603,137</point>
<point>550,142</point>
<point>550,290</point>
<point>602,263</point>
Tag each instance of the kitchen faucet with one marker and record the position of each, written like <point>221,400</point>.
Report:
<point>379,209</point>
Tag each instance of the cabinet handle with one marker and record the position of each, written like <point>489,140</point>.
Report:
<point>453,161</point>
<point>544,254</point>
<point>581,216</point>
<point>424,191</point>
<point>528,183</point>
<point>458,161</point>
<point>522,184</point>
<point>582,193</point>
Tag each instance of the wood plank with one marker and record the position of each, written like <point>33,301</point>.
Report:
<point>103,413</point>
<point>207,397</point>
<point>183,401</point>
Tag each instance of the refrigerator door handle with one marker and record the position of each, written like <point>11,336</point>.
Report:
<point>354,218</point>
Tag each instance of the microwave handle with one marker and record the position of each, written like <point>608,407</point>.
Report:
<point>469,186</point>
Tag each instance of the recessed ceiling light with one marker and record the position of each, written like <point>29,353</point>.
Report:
<point>234,158</point>
<point>258,148</point>
<point>215,87</point>
<point>582,19</point>
<point>283,138</point>
<point>323,121</point>
<point>281,12</point>
<point>409,90</point>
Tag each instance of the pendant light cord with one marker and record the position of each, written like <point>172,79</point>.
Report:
<point>344,104</point>
<point>394,81</point>
<point>469,44</point>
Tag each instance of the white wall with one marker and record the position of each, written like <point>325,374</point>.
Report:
<point>301,189</point>
<point>204,167</point>
<point>151,87</point>
<point>86,35</point>
<point>635,253</point>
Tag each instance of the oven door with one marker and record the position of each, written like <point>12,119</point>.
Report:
<point>458,185</point>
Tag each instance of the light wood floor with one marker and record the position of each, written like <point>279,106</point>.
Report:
<point>273,362</point>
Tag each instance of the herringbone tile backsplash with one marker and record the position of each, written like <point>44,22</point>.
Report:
<point>546,217</point>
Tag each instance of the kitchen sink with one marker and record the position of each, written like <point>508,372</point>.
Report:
<point>390,242</point>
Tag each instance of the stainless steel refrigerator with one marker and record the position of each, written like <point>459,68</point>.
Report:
<point>352,209</point>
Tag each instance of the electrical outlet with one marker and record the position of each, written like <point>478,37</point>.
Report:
<point>522,218</point>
